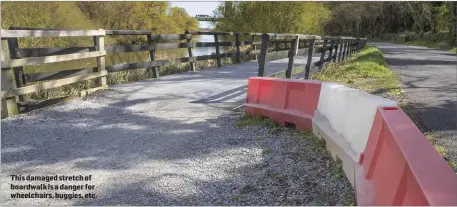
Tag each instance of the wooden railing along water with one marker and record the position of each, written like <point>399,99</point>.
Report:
<point>16,82</point>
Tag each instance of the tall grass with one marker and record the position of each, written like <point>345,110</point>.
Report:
<point>366,70</point>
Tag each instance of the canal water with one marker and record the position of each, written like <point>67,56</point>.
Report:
<point>183,52</point>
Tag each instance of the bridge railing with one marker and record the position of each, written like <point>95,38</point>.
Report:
<point>338,48</point>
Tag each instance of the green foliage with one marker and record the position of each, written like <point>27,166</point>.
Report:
<point>155,16</point>
<point>366,70</point>
<point>367,19</point>
<point>64,15</point>
<point>158,17</point>
<point>443,13</point>
<point>247,120</point>
<point>372,19</point>
<point>182,20</point>
<point>273,17</point>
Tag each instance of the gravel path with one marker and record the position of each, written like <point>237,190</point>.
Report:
<point>429,79</point>
<point>168,142</point>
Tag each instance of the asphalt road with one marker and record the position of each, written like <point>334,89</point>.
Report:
<point>429,79</point>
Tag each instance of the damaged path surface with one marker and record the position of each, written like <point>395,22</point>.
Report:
<point>429,79</point>
<point>168,142</point>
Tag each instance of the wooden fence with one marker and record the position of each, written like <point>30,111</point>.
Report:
<point>14,79</point>
<point>338,49</point>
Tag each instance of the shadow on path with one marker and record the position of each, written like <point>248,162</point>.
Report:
<point>429,79</point>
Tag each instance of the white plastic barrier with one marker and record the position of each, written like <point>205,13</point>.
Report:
<point>344,117</point>
<point>362,109</point>
<point>350,112</point>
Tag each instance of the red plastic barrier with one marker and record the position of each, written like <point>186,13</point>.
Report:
<point>400,167</point>
<point>283,100</point>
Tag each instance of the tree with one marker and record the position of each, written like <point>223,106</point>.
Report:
<point>182,19</point>
<point>275,17</point>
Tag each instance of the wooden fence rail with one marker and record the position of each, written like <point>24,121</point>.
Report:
<point>14,92</point>
<point>337,47</point>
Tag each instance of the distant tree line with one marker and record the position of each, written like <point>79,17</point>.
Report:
<point>367,19</point>
<point>159,17</point>
<point>274,17</point>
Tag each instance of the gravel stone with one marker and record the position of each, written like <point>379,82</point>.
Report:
<point>171,141</point>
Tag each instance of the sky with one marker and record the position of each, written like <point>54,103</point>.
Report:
<point>194,8</point>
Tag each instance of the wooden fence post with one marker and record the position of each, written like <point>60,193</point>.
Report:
<point>335,56</point>
<point>292,52</point>
<point>310,57</point>
<point>322,60</point>
<point>340,54</point>
<point>263,54</point>
<point>99,42</point>
<point>353,46</point>
<point>238,50</point>
<point>218,52</point>
<point>9,105</point>
<point>356,45</point>
<point>345,47</point>
<point>348,48</point>
<point>189,50</point>
<point>18,72</point>
<point>330,52</point>
<point>154,70</point>
<point>254,47</point>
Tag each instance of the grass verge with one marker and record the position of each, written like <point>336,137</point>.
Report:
<point>367,70</point>
<point>437,45</point>
<point>247,120</point>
